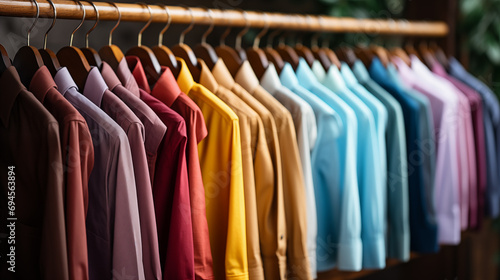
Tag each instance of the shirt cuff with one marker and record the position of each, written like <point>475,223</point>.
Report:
<point>374,252</point>
<point>449,227</point>
<point>350,255</point>
<point>399,246</point>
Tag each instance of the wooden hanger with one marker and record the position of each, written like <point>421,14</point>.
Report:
<point>112,53</point>
<point>347,55</point>
<point>164,55</point>
<point>146,56</point>
<point>28,59</point>
<point>365,55</point>
<point>410,50</point>
<point>271,54</point>
<point>256,56</point>
<point>303,51</point>
<point>48,56</point>
<point>440,55</point>
<point>73,58</point>
<point>426,54</point>
<point>229,55</point>
<point>90,54</point>
<point>399,52</point>
<point>287,53</point>
<point>205,51</point>
<point>185,52</point>
<point>381,53</point>
<point>4,60</point>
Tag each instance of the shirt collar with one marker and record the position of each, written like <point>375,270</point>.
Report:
<point>333,80</point>
<point>185,79</point>
<point>456,67</point>
<point>347,74</point>
<point>166,88</point>
<point>288,77</point>
<point>95,86</point>
<point>378,69</point>
<point>305,75</point>
<point>109,76</point>
<point>222,74</point>
<point>206,77</point>
<point>418,66</point>
<point>405,72</point>
<point>361,72</point>
<point>135,65</point>
<point>270,80</point>
<point>126,77</point>
<point>41,83</point>
<point>246,78</point>
<point>439,69</point>
<point>318,70</point>
<point>64,80</point>
<point>11,86</point>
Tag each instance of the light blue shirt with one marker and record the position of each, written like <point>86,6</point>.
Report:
<point>335,181</point>
<point>305,128</point>
<point>372,189</point>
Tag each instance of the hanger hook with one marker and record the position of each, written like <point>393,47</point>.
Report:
<point>169,21</point>
<point>95,24</point>
<point>242,32</point>
<point>139,36</point>
<point>256,41</point>
<point>210,28</point>
<point>79,25</point>
<point>226,32</point>
<point>183,34</point>
<point>52,25</point>
<point>34,22</point>
<point>315,37</point>
<point>301,34</point>
<point>117,23</point>
<point>270,37</point>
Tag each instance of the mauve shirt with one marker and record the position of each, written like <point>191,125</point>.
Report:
<point>154,130</point>
<point>478,161</point>
<point>125,229</point>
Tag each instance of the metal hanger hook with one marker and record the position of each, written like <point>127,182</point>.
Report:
<point>139,36</point>
<point>169,21</point>
<point>210,28</point>
<point>242,32</point>
<point>45,37</point>
<point>270,37</point>
<point>308,19</point>
<point>79,25</point>
<point>34,22</point>
<point>256,40</point>
<point>117,23</point>
<point>315,37</point>
<point>183,34</point>
<point>226,32</point>
<point>95,24</point>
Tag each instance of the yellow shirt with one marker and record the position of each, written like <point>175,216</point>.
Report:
<point>293,178</point>
<point>257,164</point>
<point>272,223</point>
<point>221,167</point>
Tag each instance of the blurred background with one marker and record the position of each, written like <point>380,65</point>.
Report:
<point>474,39</point>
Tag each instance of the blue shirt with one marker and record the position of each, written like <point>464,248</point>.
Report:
<point>335,183</point>
<point>369,168</point>
<point>423,227</point>
<point>398,235</point>
<point>491,119</point>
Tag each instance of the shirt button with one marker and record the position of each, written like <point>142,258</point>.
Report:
<point>281,237</point>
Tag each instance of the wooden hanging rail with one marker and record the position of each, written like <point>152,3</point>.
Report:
<point>137,12</point>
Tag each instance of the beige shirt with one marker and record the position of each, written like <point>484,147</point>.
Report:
<point>293,178</point>
<point>270,204</point>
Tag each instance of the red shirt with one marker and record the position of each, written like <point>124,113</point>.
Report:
<point>171,195</point>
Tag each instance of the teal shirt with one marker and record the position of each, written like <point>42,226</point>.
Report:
<point>369,169</point>
<point>334,176</point>
<point>398,235</point>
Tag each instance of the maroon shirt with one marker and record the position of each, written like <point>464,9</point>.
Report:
<point>475,218</point>
<point>78,161</point>
<point>167,91</point>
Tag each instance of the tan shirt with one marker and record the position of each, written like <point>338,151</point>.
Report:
<point>293,179</point>
<point>255,156</point>
<point>270,204</point>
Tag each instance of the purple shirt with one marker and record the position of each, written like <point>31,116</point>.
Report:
<point>478,154</point>
<point>127,256</point>
<point>154,131</point>
<point>444,105</point>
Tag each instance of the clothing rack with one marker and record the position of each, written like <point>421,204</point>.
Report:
<point>234,18</point>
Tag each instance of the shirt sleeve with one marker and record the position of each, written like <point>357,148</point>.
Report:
<point>79,163</point>
<point>127,246</point>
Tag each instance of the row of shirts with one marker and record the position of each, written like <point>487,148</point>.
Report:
<point>240,178</point>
